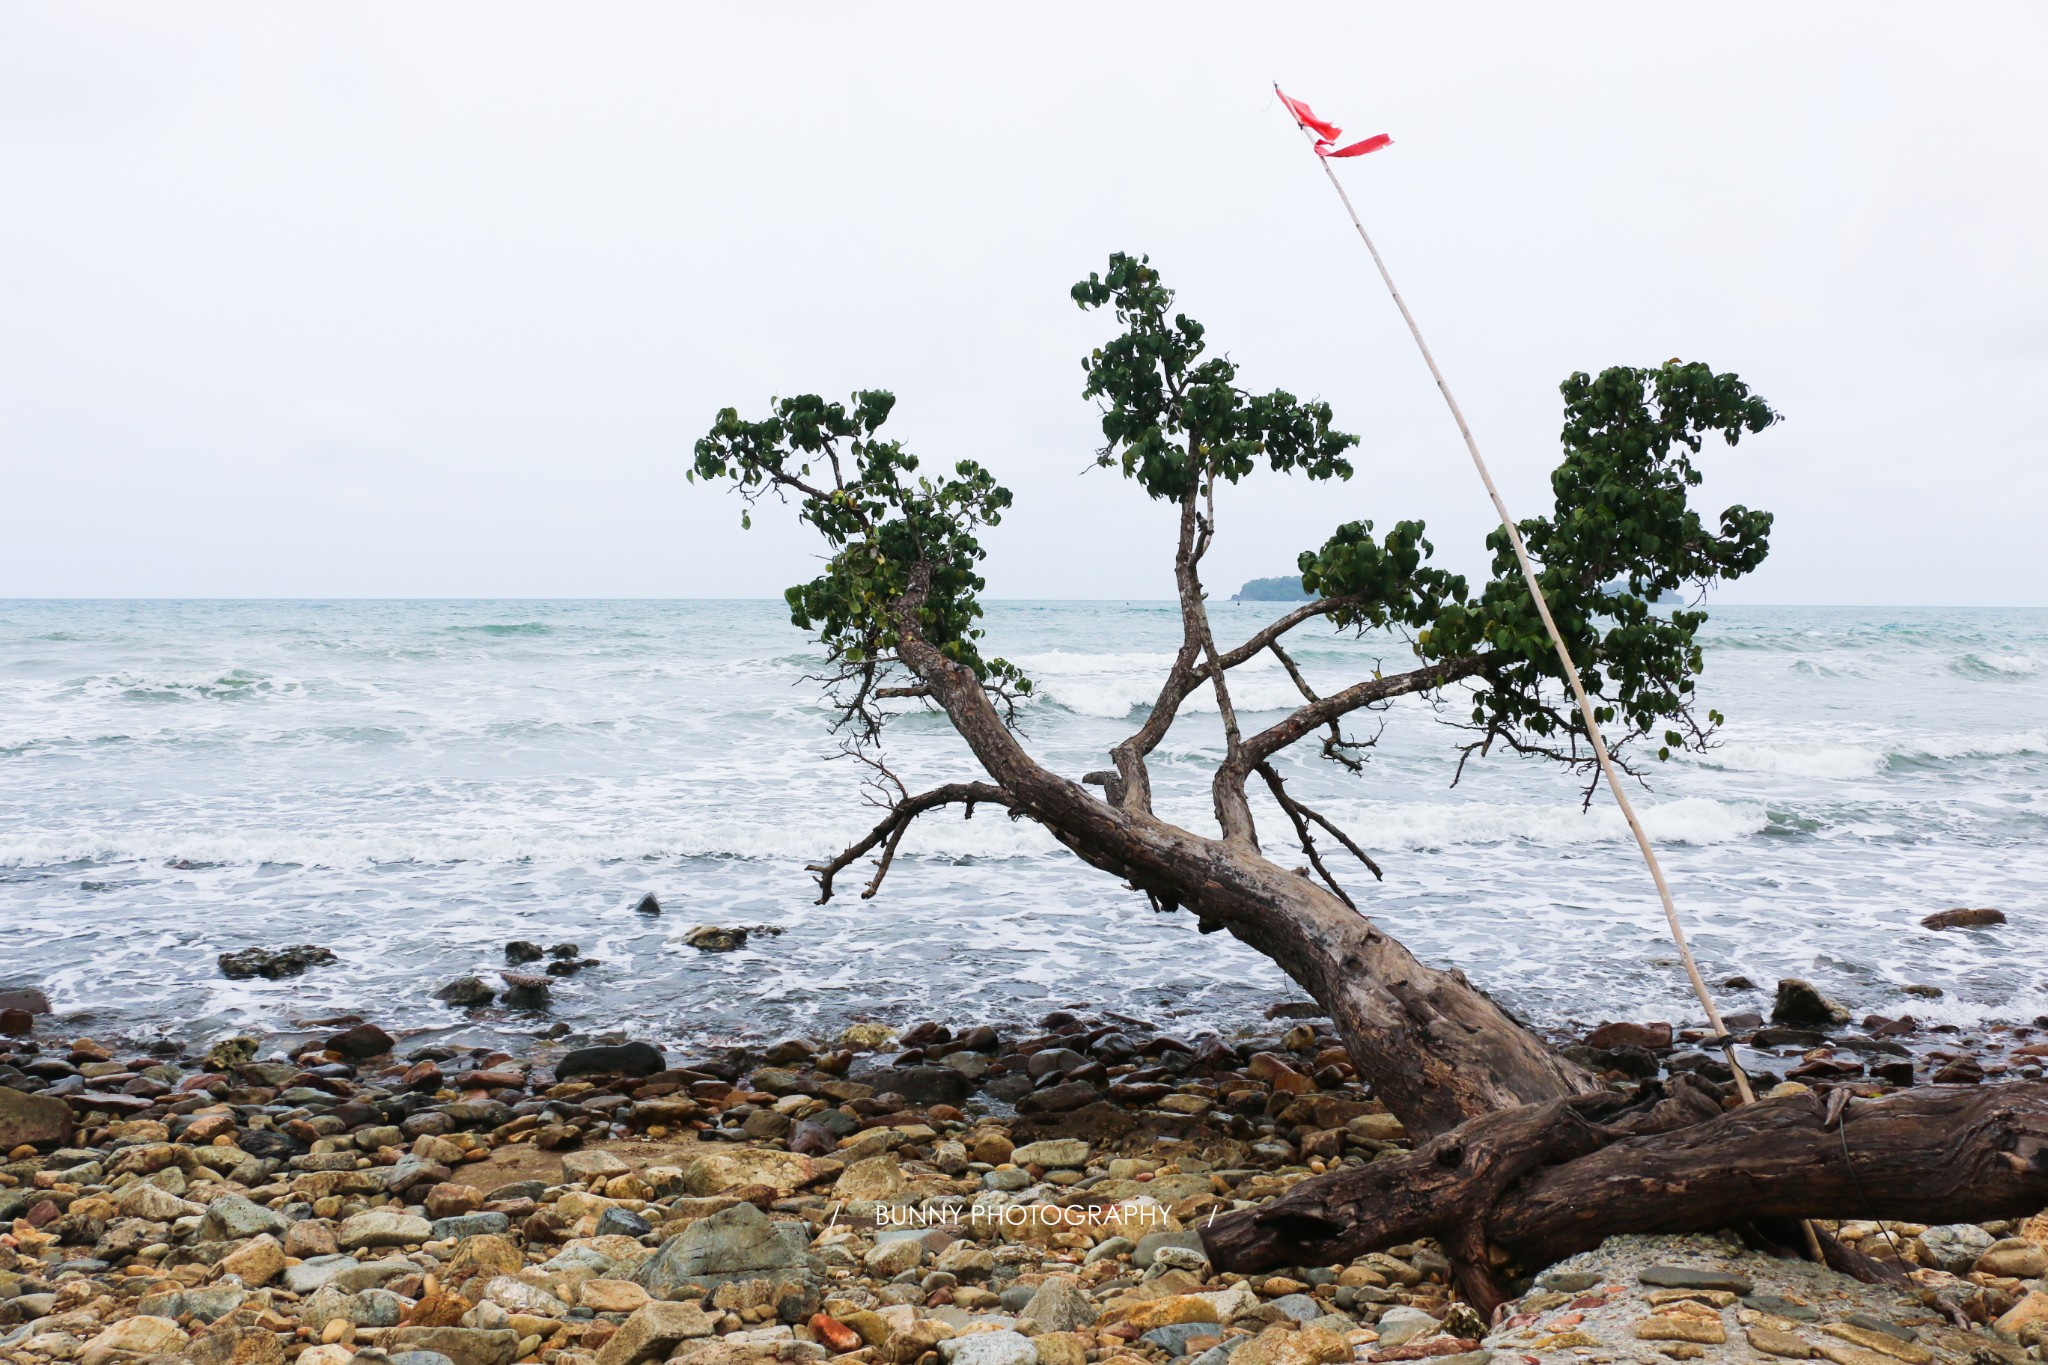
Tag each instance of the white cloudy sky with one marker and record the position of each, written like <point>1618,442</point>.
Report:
<point>432,300</point>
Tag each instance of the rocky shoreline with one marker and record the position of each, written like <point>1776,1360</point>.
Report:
<point>930,1196</point>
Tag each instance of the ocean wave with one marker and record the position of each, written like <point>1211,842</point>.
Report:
<point>1995,666</point>
<point>236,684</point>
<point>1426,825</point>
<point>1061,663</point>
<point>484,838</point>
<point>1117,698</point>
<point>988,836</point>
<point>506,628</point>
<point>1848,760</point>
<point>1833,761</point>
<point>1946,748</point>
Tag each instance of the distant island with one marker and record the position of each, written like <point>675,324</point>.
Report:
<point>1287,588</point>
<point>1283,589</point>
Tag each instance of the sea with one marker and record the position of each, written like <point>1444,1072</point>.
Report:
<point>412,784</point>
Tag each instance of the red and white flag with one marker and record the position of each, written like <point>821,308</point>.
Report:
<point>1327,132</point>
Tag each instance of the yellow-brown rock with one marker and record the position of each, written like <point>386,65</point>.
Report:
<point>1681,1327</point>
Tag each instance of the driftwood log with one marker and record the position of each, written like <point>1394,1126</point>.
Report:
<point>1534,1184</point>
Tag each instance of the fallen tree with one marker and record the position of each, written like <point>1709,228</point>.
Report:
<point>1538,1183</point>
<point>897,610</point>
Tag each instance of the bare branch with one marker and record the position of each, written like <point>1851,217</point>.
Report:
<point>1190,671</point>
<point>1315,715</point>
<point>1308,611</point>
<point>1302,817</point>
<point>901,813</point>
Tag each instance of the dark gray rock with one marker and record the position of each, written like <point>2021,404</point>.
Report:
<point>1800,1004</point>
<point>470,1225</point>
<point>921,1084</point>
<point>1174,1340</point>
<point>275,964</point>
<point>518,1189</point>
<point>618,1222</point>
<point>466,992</point>
<point>526,991</point>
<point>1047,1061</point>
<point>1569,1281</point>
<point>1686,1277</point>
<point>625,1059</point>
<point>1059,1099</point>
<point>364,1040</point>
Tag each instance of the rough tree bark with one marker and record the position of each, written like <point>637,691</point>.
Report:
<point>1542,1182</point>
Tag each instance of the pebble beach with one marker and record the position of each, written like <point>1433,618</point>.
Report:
<point>952,1194</point>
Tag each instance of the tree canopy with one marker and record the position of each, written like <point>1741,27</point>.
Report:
<point>905,549</point>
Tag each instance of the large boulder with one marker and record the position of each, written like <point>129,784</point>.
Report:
<point>32,1119</point>
<point>739,1243</point>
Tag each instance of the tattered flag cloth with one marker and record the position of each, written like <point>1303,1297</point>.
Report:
<point>1327,132</point>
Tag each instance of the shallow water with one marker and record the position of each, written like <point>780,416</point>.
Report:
<point>414,783</point>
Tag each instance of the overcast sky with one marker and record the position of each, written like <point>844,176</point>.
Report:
<point>383,300</point>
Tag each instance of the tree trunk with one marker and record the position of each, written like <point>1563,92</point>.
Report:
<point>1543,1182</point>
<point>1434,1048</point>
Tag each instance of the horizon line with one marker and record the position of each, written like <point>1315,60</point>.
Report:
<point>1159,601</point>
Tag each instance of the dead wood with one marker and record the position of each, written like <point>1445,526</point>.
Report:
<point>1543,1182</point>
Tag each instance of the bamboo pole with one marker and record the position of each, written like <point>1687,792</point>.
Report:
<point>1564,657</point>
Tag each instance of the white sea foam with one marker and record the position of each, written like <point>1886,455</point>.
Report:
<point>1423,825</point>
<point>1843,761</point>
<point>1945,747</point>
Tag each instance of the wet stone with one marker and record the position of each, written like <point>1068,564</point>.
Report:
<point>1783,1308</point>
<point>1687,1277</point>
<point>1569,1281</point>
